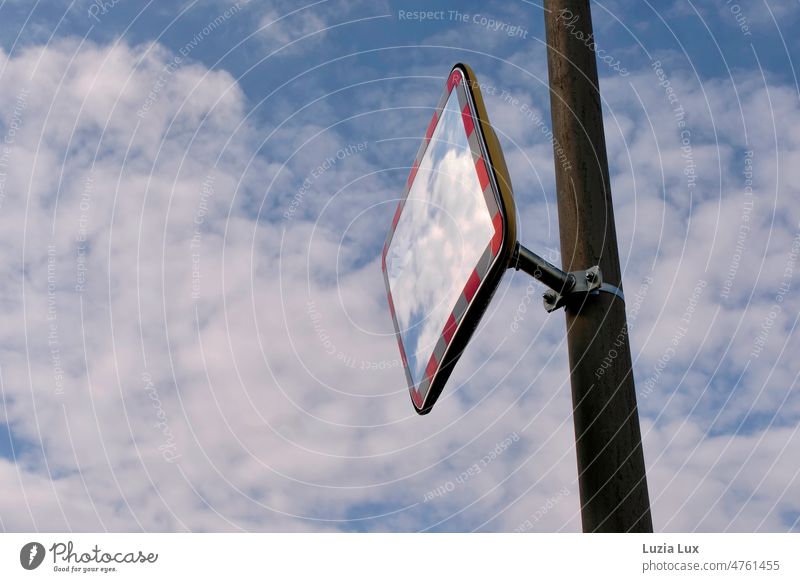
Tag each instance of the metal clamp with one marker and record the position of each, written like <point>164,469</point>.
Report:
<point>588,282</point>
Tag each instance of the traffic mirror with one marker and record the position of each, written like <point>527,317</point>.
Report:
<point>452,237</point>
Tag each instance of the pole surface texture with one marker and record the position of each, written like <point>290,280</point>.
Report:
<point>611,470</point>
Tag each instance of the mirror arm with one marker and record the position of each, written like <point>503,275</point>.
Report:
<point>529,262</point>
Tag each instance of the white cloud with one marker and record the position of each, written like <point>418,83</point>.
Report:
<point>279,31</point>
<point>286,28</point>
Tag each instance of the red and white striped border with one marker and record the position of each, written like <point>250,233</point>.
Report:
<point>457,82</point>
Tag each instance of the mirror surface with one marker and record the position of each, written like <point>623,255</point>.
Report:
<point>444,228</point>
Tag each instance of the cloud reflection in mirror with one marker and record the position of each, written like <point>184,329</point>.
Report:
<point>442,232</point>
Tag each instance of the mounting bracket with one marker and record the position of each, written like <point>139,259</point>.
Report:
<point>565,288</point>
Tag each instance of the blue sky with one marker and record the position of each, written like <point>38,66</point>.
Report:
<point>194,334</point>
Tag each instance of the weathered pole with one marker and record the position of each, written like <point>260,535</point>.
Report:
<point>611,469</point>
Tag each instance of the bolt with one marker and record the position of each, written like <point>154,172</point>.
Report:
<point>590,276</point>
